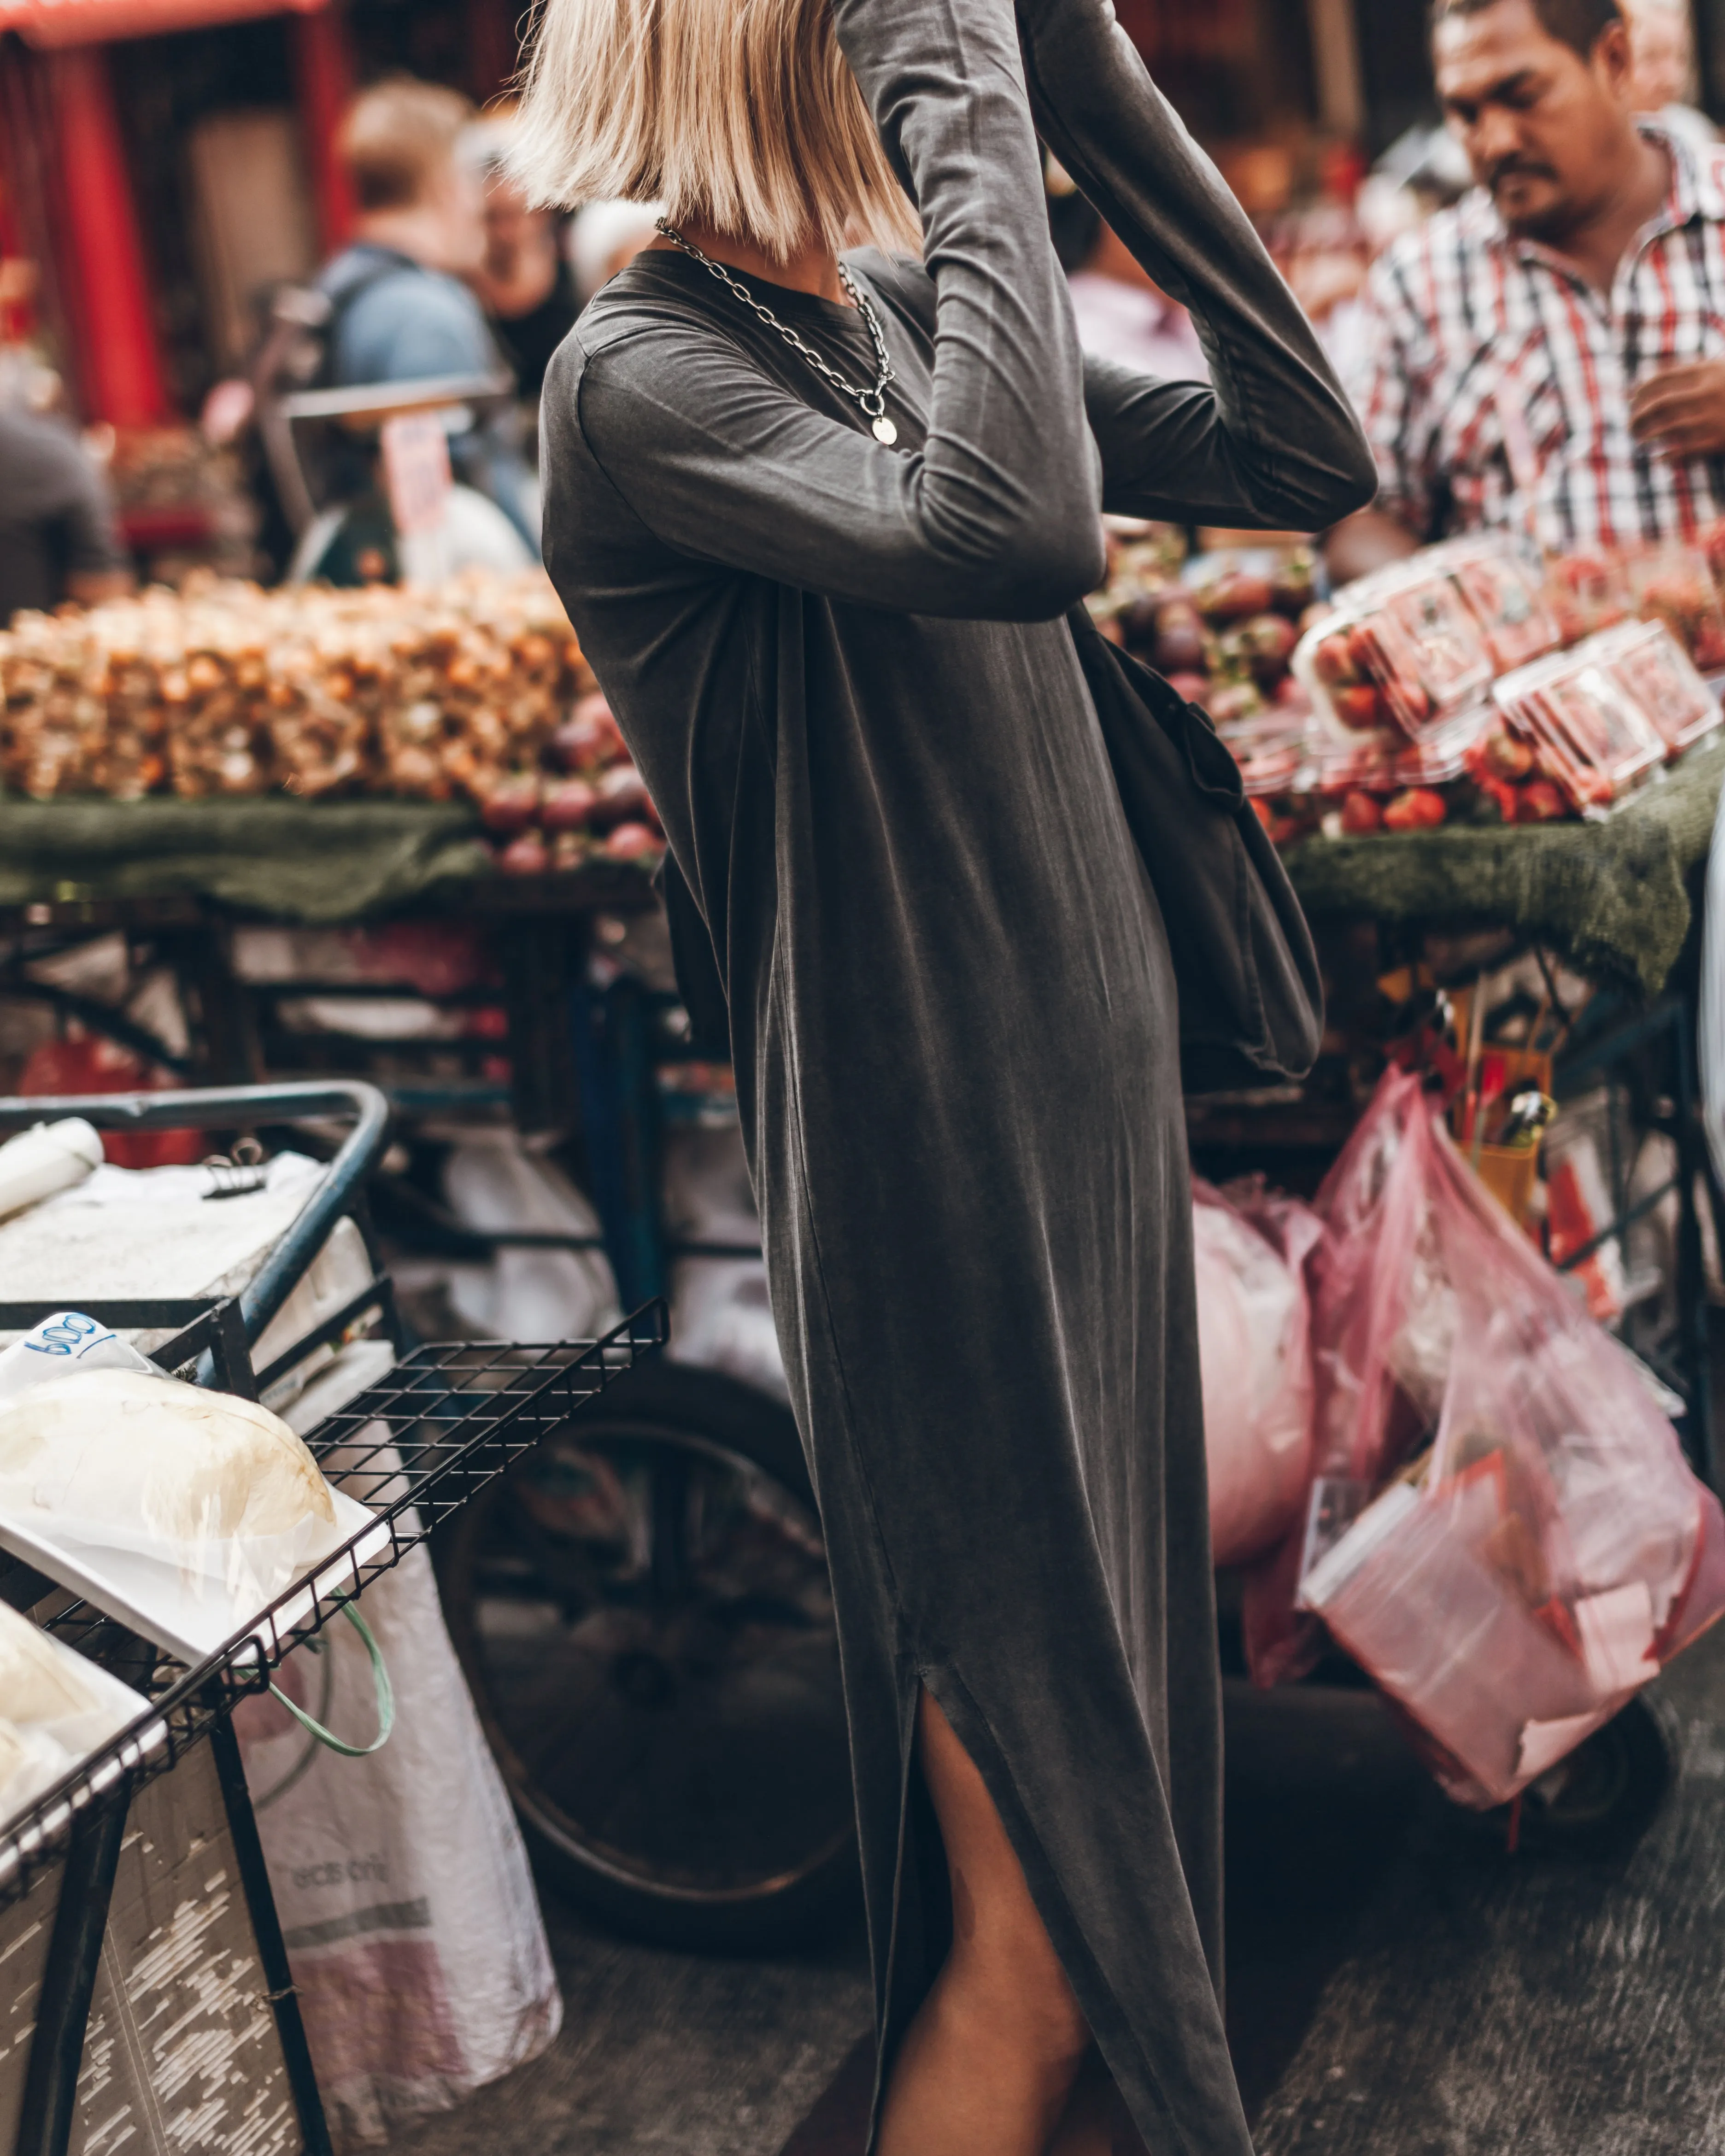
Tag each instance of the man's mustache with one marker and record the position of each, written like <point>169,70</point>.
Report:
<point>1509,168</point>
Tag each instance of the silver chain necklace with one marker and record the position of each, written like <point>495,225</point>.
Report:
<point>872,401</point>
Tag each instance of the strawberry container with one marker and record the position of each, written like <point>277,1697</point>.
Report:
<point>1673,584</point>
<point>1586,732</point>
<point>1402,649</point>
<point>1503,595</point>
<point>1650,666</point>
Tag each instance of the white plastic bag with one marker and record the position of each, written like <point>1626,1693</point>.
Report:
<point>1256,1359</point>
<point>55,1709</point>
<point>214,1487</point>
<point>494,1181</point>
<point>48,1158</point>
<point>64,1341</point>
<point>408,1909</point>
<point>721,1318</point>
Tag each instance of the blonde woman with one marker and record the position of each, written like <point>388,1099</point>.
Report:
<point>818,518</point>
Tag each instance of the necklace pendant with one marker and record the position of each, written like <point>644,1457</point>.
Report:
<point>884,431</point>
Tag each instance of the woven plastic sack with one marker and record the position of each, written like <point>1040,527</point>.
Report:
<point>1556,1550</point>
<point>411,1925</point>
<point>1255,1358</point>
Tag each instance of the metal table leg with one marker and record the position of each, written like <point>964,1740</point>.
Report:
<point>74,1953</point>
<point>272,1951</point>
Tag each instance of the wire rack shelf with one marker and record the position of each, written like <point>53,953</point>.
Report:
<point>413,1448</point>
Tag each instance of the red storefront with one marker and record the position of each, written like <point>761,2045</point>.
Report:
<point>96,187</point>
<point>163,160</point>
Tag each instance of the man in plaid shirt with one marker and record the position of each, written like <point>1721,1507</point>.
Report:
<point>1548,356</point>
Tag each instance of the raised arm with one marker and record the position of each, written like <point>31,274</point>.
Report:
<point>1274,442</point>
<point>998,513</point>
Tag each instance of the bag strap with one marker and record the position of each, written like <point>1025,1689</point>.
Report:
<point>380,1680</point>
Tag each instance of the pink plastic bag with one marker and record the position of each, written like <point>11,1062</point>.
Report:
<point>1556,1550</point>
<point>1255,1351</point>
<point>1377,1379</point>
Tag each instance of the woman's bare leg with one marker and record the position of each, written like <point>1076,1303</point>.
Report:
<point>1097,2122</point>
<point>988,2064</point>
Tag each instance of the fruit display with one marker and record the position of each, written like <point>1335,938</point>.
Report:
<point>471,691</point>
<point>1404,649</point>
<point>1586,732</point>
<point>590,804</point>
<point>1649,665</point>
<point>1587,592</point>
<point>1504,596</point>
<point>1222,628</point>
<point>1674,584</point>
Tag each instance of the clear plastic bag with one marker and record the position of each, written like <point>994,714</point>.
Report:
<point>1504,595</point>
<point>1651,668</point>
<point>1256,1355</point>
<point>217,1489</point>
<point>55,1709</point>
<point>1554,1549</point>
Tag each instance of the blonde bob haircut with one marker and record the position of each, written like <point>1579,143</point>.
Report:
<point>743,115</point>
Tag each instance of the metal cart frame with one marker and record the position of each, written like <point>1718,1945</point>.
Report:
<point>455,1416</point>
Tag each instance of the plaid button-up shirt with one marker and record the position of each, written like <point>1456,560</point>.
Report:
<point>1496,382</point>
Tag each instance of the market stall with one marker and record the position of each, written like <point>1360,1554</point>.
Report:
<point>348,772</point>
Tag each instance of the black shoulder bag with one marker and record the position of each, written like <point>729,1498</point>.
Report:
<point>1251,1000</point>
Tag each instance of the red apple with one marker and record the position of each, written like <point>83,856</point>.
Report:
<point>512,805</point>
<point>525,855</point>
<point>621,798</point>
<point>632,842</point>
<point>567,804</point>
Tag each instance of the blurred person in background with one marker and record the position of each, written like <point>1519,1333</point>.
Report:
<point>606,236</point>
<point>525,281</point>
<point>57,537</point>
<point>402,309</point>
<point>1120,315</point>
<point>1546,356</point>
<point>1662,82</point>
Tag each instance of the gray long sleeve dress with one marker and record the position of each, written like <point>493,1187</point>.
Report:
<point>843,670</point>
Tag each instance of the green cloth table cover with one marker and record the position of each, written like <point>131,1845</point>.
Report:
<point>314,862</point>
<point>1612,896</point>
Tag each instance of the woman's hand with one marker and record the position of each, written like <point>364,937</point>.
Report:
<point>1278,444</point>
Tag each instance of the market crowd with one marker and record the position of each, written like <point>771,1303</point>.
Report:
<point>1523,303</point>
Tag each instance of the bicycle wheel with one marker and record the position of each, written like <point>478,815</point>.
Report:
<point>642,1609</point>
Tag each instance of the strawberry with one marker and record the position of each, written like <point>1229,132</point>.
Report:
<point>1507,758</point>
<point>1361,813</point>
<point>1539,802</point>
<point>1357,706</point>
<point>1418,810</point>
<point>1333,662</point>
